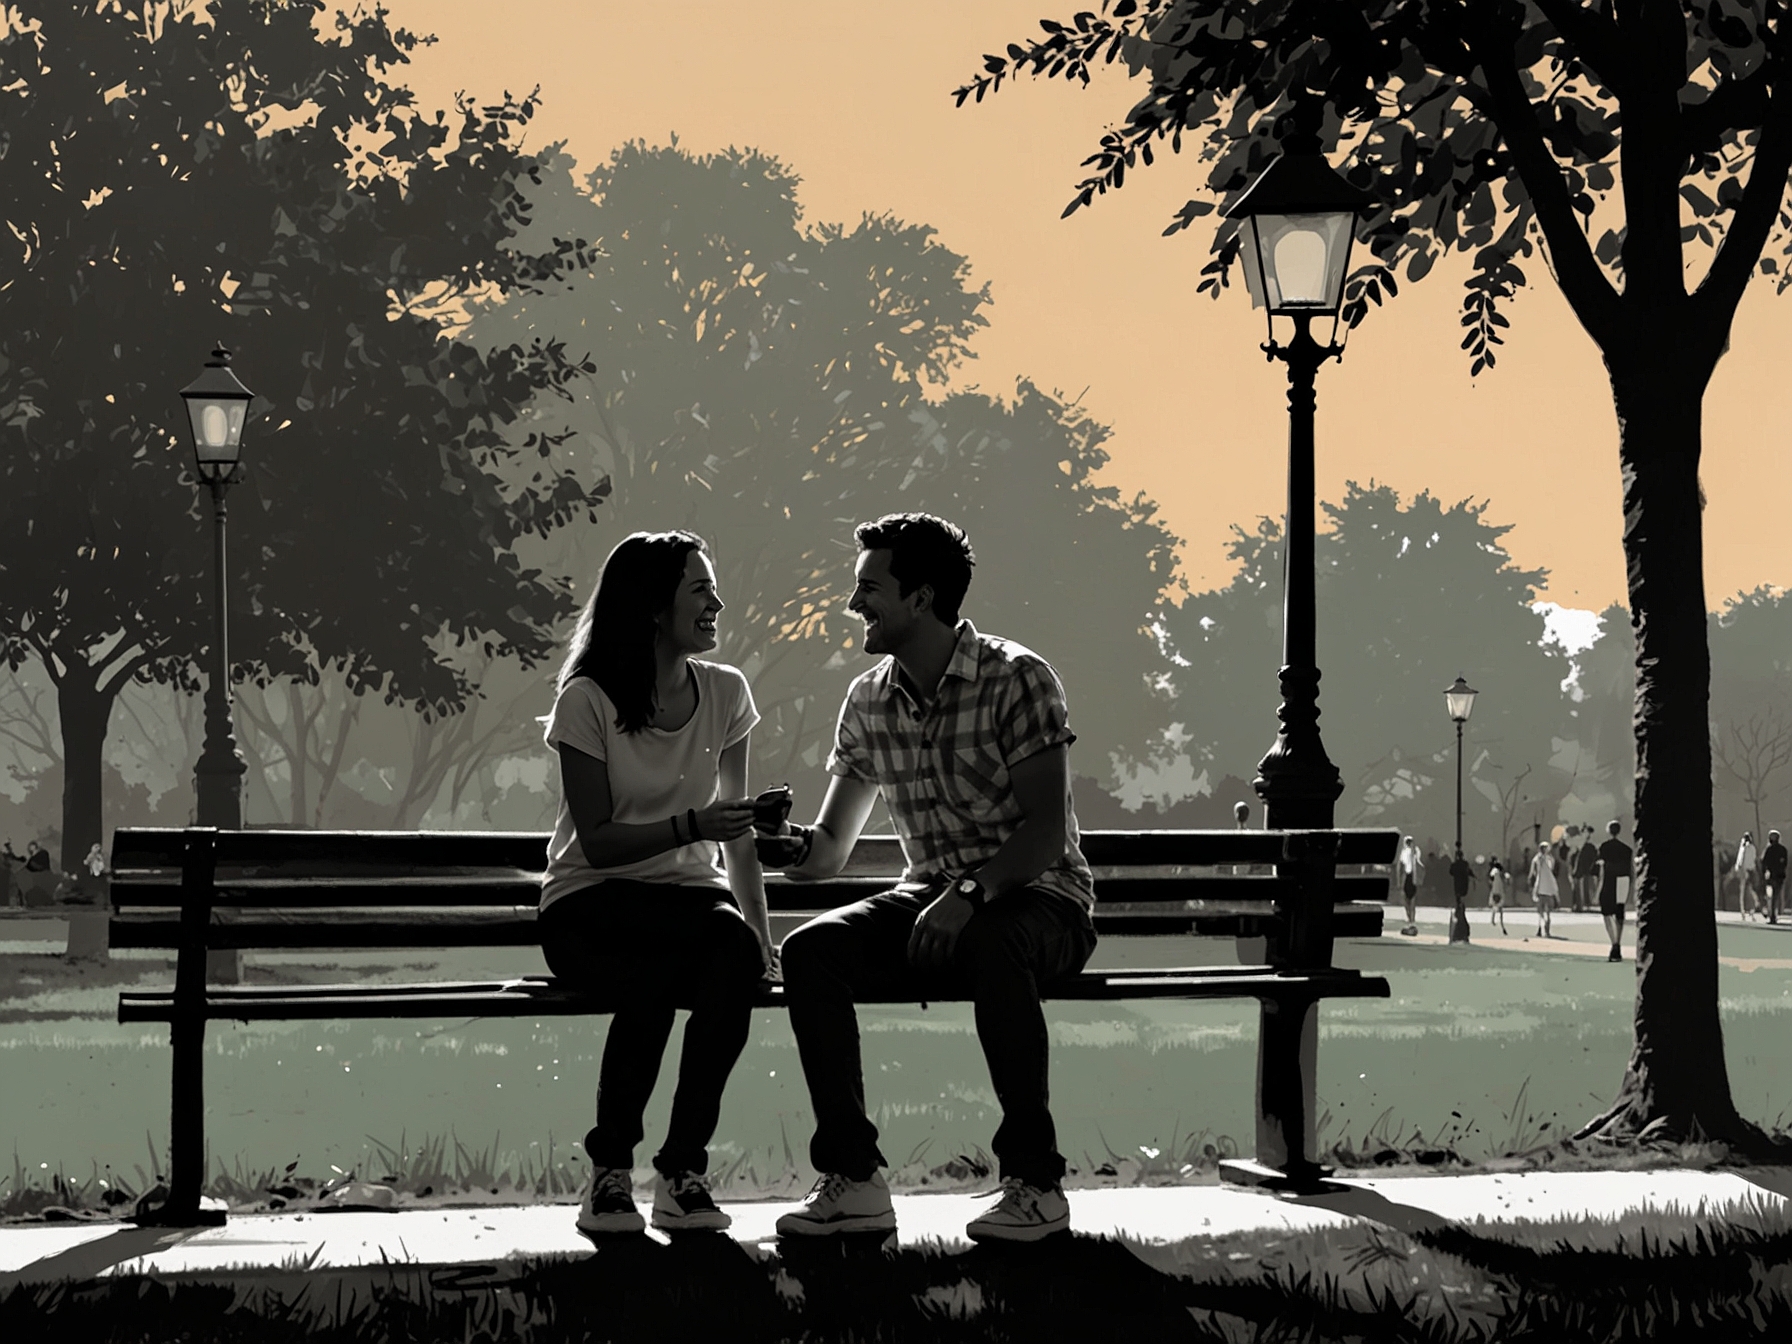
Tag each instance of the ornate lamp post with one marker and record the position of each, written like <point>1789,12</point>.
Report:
<point>1297,220</point>
<point>1459,700</point>
<point>217,406</point>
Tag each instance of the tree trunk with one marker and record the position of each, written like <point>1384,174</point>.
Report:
<point>1676,1086</point>
<point>86,712</point>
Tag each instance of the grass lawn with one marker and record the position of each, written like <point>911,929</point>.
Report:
<point>1484,1050</point>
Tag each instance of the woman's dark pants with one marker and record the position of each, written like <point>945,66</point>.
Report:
<point>1011,950</point>
<point>648,946</point>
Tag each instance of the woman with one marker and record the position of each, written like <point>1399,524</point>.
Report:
<point>1496,894</point>
<point>653,746</point>
<point>1544,889</point>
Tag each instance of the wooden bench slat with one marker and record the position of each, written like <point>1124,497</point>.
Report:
<point>136,848</point>
<point>531,996</point>
<point>523,891</point>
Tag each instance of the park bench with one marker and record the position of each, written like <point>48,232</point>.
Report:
<point>1285,895</point>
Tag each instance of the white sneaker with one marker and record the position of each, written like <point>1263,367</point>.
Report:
<point>683,1201</point>
<point>838,1204</point>
<point>1024,1213</point>
<point>609,1202</point>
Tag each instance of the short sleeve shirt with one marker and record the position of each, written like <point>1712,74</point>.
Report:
<point>1773,862</point>
<point>943,767</point>
<point>655,773</point>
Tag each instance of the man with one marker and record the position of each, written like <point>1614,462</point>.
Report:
<point>1614,887</point>
<point>1586,870</point>
<point>1411,868</point>
<point>967,738</point>
<point>1544,889</point>
<point>1773,872</point>
<point>1746,898</point>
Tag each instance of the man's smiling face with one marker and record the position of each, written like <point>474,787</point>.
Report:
<point>890,618</point>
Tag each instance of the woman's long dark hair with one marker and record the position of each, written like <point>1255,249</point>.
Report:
<point>613,641</point>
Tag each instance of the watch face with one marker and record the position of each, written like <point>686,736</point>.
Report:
<point>968,887</point>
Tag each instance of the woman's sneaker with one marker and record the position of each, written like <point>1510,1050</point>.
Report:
<point>1024,1213</point>
<point>682,1202</point>
<point>837,1204</point>
<point>609,1202</point>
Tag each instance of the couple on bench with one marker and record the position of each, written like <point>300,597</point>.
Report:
<point>655,886</point>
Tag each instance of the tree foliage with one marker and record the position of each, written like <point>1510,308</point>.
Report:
<point>1409,594</point>
<point>175,176</point>
<point>768,385</point>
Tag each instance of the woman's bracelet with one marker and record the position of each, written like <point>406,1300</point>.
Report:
<point>690,816</point>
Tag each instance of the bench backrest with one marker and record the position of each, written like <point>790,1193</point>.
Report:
<point>293,888</point>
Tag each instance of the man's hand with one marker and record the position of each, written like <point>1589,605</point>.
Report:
<point>784,848</point>
<point>936,931</point>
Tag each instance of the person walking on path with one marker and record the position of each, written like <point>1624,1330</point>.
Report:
<point>1773,874</point>
<point>1409,864</point>
<point>967,738</point>
<point>1544,889</point>
<point>636,904</point>
<point>1585,870</point>
<point>1614,886</point>
<point>1747,877</point>
<point>1496,894</point>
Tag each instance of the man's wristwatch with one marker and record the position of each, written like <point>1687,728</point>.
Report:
<point>971,890</point>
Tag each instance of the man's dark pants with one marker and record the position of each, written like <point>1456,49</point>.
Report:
<point>1009,952</point>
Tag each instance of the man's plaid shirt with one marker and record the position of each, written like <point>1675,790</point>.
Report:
<point>943,768</point>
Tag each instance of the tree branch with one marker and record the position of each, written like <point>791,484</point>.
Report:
<point>1721,290</point>
<point>1594,38</point>
<point>1588,291</point>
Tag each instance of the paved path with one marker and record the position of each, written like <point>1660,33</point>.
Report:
<point>1571,934</point>
<point>38,1253</point>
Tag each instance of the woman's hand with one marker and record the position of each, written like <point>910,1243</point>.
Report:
<point>725,819</point>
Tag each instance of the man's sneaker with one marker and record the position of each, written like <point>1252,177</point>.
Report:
<point>838,1204</point>
<point>1616,955</point>
<point>1024,1213</point>
<point>682,1200</point>
<point>609,1203</point>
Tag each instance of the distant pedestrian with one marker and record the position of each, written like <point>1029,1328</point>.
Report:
<point>37,858</point>
<point>1585,870</point>
<point>1773,873</point>
<point>1614,886</point>
<point>1747,876</point>
<point>95,862</point>
<point>1545,891</point>
<point>1496,894</point>
<point>1409,864</point>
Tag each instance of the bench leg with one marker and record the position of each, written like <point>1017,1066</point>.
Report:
<point>1287,1065</point>
<point>186,1139</point>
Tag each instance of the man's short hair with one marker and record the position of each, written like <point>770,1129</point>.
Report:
<point>1774,836</point>
<point>923,550</point>
<point>1613,827</point>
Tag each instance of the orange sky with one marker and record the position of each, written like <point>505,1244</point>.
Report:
<point>854,95</point>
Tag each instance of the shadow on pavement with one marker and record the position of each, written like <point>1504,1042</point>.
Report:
<point>92,1258</point>
<point>1355,1202</point>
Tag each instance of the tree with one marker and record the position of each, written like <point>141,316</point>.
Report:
<point>1409,594</point>
<point>768,385</point>
<point>1611,135</point>
<point>173,176</point>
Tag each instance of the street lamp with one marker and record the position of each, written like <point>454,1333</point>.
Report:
<point>1297,220</point>
<point>1459,700</point>
<point>217,405</point>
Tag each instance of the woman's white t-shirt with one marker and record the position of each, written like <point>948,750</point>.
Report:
<point>655,773</point>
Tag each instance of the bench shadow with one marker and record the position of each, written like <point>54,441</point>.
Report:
<point>1356,1202</point>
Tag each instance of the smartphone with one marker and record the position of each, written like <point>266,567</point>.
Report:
<point>772,807</point>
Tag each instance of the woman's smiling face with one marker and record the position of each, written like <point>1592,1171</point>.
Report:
<point>689,625</point>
